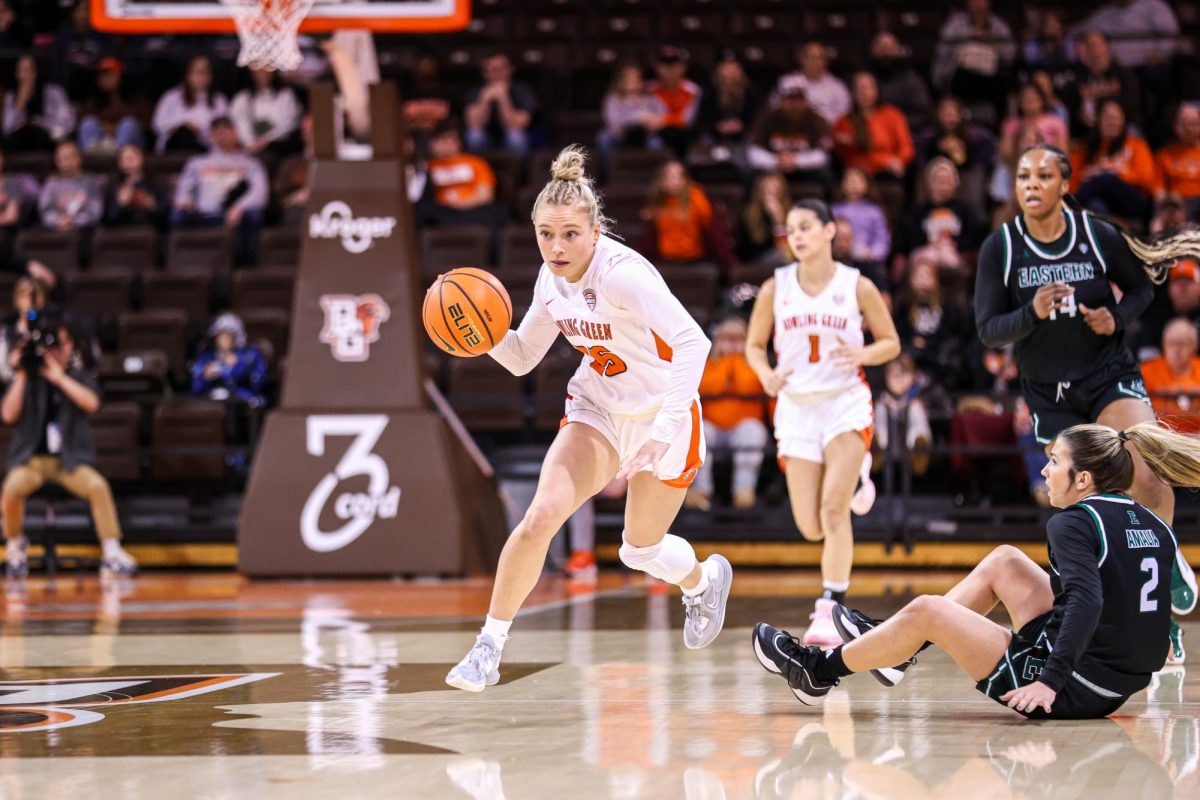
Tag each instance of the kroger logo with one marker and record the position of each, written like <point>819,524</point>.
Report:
<point>337,221</point>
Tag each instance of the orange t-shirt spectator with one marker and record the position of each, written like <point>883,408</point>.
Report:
<point>679,96</point>
<point>1179,163</point>
<point>1173,379</point>
<point>874,136</point>
<point>730,392</point>
<point>682,220</point>
<point>459,180</point>
<point>1114,173</point>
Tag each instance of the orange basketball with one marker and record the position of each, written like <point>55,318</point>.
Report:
<point>467,312</point>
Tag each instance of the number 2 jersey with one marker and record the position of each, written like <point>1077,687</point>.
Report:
<point>1110,569</point>
<point>643,354</point>
<point>1089,254</point>
<point>808,328</point>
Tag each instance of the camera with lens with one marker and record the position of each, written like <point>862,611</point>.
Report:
<point>42,335</point>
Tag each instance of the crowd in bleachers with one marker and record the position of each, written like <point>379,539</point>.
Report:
<point>151,190</point>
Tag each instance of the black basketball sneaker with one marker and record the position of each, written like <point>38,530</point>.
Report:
<point>852,624</point>
<point>781,653</point>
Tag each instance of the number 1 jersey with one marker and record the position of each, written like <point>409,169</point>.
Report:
<point>809,328</point>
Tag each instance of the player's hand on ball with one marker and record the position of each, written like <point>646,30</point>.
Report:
<point>1047,297</point>
<point>648,456</point>
<point>1029,697</point>
<point>1100,320</point>
<point>774,382</point>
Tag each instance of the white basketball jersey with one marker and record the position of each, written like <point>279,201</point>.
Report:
<point>626,360</point>
<point>808,329</point>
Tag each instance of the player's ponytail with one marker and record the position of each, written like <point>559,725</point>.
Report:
<point>570,186</point>
<point>1172,457</point>
<point>1157,254</point>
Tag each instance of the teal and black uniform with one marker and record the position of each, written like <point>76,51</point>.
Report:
<point>1069,374</point>
<point>1110,569</point>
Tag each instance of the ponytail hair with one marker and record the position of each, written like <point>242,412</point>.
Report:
<point>569,185</point>
<point>1172,457</point>
<point>1158,253</point>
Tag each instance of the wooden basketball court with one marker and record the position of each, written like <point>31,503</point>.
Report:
<point>210,685</point>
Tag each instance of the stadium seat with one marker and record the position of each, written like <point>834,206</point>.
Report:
<point>58,250</point>
<point>134,247</point>
<point>163,165</point>
<point>264,287</point>
<point>550,386</point>
<point>101,295</point>
<point>453,246</point>
<point>624,26</point>
<point>187,292</point>
<point>159,329</point>
<point>270,325</point>
<point>507,167</point>
<point>187,424</point>
<point>630,167</point>
<point>679,27</point>
<point>694,284</point>
<point>625,202</point>
<point>116,429</point>
<point>37,164</point>
<point>279,247</point>
<point>136,375</point>
<point>205,250</point>
<point>486,396</point>
<point>759,24</point>
<point>518,248</point>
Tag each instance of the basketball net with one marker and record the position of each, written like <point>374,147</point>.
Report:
<point>268,31</point>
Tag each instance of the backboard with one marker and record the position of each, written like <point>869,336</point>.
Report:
<point>209,16</point>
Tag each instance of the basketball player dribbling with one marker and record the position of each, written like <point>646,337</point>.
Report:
<point>814,308</point>
<point>632,411</point>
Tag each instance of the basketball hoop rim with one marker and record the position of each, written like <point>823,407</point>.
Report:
<point>456,21</point>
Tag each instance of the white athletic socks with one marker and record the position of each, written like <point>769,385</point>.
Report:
<point>699,588</point>
<point>110,547</point>
<point>497,629</point>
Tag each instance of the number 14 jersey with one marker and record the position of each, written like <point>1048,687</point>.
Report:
<point>810,327</point>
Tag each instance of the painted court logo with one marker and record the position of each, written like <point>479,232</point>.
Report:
<point>337,221</point>
<point>43,705</point>
<point>352,323</point>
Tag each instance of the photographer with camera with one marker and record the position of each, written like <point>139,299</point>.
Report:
<point>49,400</point>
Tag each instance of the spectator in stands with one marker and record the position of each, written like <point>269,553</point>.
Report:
<point>952,229</point>
<point>71,199</point>
<point>184,115</point>
<point>133,198</point>
<point>860,206</point>
<point>49,406</point>
<point>111,119</point>
<point>1047,47</point>
<point>463,185</point>
<point>684,226</point>
<point>1184,289</point>
<point>226,188</point>
<point>267,115</point>
<point>971,147</point>
<point>426,99</point>
<point>975,53</point>
<point>632,115</point>
<point>933,328</point>
<point>679,96</point>
<point>498,112</point>
<point>37,114</point>
<point>734,406</point>
<point>761,235</point>
<point>1144,31</point>
<point>826,93</point>
<point>1101,78</point>
<point>18,197</point>
<point>846,250</point>
<point>899,83</point>
<point>14,32</point>
<point>899,406</point>
<point>874,136</point>
<point>289,191</point>
<point>729,105</point>
<point>227,368</point>
<point>27,294</point>
<point>1055,105</point>
<point>793,139</point>
<point>1033,111</point>
<point>1173,379</point>
<point>1179,163</point>
<point>1114,172</point>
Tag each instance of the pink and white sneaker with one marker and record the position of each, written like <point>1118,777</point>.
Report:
<point>822,631</point>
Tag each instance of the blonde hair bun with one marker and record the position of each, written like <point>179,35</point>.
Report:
<point>568,164</point>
